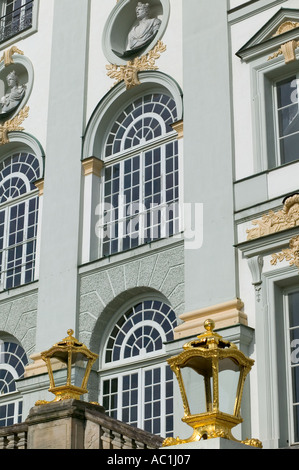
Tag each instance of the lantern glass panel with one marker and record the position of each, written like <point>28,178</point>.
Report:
<point>197,378</point>
<point>229,373</point>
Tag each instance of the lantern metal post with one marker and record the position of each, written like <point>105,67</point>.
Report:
<point>205,355</point>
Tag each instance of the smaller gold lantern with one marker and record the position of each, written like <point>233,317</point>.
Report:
<point>214,366</point>
<point>72,353</point>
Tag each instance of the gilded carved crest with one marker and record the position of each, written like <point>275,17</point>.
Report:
<point>129,72</point>
<point>7,56</point>
<point>287,49</point>
<point>13,125</point>
<point>290,254</point>
<point>275,222</point>
<point>286,218</point>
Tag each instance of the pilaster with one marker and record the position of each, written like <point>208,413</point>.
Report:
<point>61,201</point>
<point>210,276</point>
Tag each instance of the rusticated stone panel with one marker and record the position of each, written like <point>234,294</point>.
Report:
<point>105,290</point>
<point>18,319</point>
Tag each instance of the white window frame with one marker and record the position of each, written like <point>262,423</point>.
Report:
<point>123,155</point>
<point>11,398</point>
<point>288,365</point>
<point>145,361</point>
<point>276,118</point>
<point>6,208</point>
<point>22,33</point>
<point>140,370</point>
<point>264,76</point>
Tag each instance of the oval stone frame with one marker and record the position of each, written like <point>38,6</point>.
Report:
<point>24,70</point>
<point>122,19</point>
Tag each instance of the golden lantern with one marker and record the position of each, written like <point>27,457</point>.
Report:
<point>212,367</point>
<point>70,352</point>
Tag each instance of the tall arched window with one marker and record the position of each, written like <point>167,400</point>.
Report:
<point>13,360</point>
<point>137,383</point>
<point>18,218</point>
<point>141,176</point>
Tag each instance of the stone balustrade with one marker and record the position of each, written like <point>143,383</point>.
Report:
<point>73,424</point>
<point>14,437</point>
<point>103,432</point>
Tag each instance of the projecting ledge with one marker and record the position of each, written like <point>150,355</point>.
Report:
<point>225,315</point>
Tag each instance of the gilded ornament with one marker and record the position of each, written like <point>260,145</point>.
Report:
<point>287,49</point>
<point>13,125</point>
<point>285,27</point>
<point>7,55</point>
<point>274,222</point>
<point>208,355</point>
<point>129,72</point>
<point>289,254</point>
<point>69,351</point>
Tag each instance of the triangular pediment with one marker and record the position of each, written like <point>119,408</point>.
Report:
<point>281,28</point>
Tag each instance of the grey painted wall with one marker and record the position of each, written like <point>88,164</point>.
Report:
<point>208,167</point>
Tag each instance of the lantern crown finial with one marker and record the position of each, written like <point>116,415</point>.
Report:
<point>209,325</point>
<point>209,339</point>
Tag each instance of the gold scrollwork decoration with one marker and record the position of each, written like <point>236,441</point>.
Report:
<point>129,72</point>
<point>210,434</point>
<point>13,124</point>
<point>273,222</point>
<point>288,50</point>
<point>7,55</point>
<point>285,27</point>
<point>290,254</point>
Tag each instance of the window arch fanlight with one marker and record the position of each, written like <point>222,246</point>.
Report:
<point>143,120</point>
<point>137,383</point>
<point>13,361</point>
<point>118,98</point>
<point>19,203</point>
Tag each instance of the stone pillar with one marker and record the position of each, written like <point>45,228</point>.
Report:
<point>59,425</point>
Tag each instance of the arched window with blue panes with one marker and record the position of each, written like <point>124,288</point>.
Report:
<point>19,204</point>
<point>13,361</point>
<point>136,381</point>
<point>140,183</point>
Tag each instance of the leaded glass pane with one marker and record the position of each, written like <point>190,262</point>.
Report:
<point>140,190</point>
<point>137,331</point>
<point>141,199</point>
<point>16,17</point>
<point>13,360</point>
<point>145,396</point>
<point>288,119</point>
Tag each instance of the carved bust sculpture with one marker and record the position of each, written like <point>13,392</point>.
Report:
<point>145,30</point>
<point>11,100</point>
